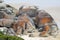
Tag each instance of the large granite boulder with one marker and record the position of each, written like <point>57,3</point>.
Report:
<point>7,10</point>
<point>31,11</point>
<point>45,23</point>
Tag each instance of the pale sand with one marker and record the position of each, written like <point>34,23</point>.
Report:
<point>26,37</point>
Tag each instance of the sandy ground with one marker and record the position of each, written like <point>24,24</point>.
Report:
<point>41,38</point>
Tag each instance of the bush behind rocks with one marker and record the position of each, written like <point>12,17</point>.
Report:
<point>8,37</point>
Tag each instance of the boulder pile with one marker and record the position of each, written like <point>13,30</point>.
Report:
<point>28,21</point>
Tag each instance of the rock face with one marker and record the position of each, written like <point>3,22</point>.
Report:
<point>24,24</point>
<point>6,22</point>
<point>7,10</point>
<point>7,15</point>
<point>45,23</point>
<point>29,21</point>
<point>31,12</point>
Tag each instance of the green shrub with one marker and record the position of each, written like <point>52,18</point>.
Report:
<point>8,37</point>
<point>3,37</point>
<point>1,33</point>
<point>14,38</point>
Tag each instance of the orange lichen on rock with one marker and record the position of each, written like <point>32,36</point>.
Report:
<point>45,20</point>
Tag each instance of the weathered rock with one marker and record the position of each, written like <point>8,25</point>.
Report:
<point>8,11</point>
<point>23,24</point>
<point>6,22</point>
<point>45,23</point>
<point>31,11</point>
